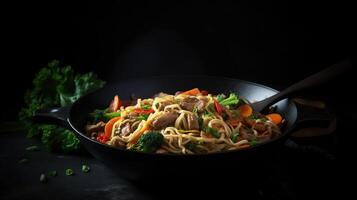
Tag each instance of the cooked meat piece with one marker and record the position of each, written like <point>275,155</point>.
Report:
<point>188,103</point>
<point>99,127</point>
<point>260,127</point>
<point>226,112</point>
<point>132,115</point>
<point>246,134</point>
<point>248,121</point>
<point>164,104</point>
<point>165,120</point>
<point>201,104</point>
<point>125,130</point>
<point>192,122</point>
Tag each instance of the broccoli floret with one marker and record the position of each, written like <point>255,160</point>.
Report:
<point>149,142</point>
<point>231,100</point>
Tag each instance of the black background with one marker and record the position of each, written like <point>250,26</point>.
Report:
<point>267,42</point>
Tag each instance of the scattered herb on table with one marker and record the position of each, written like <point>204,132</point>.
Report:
<point>33,148</point>
<point>23,160</point>
<point>69,172</point>
<point>55,86</point>
<point>43,178</point>
<point>85,168</point>
<point>52,173</point>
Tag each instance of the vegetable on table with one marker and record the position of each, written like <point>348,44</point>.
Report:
<point>85,168</point>
<point>43,178</point>
<point>56,86</point>
<point>52,173</point>
<point>69,172</point>
<point>275,118</point>
<point>23,160</point>
<point>33,148</point>
<point>149,142</point>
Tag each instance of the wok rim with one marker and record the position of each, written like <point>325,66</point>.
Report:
<point>284,134</point>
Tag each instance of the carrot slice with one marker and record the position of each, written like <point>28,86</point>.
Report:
<point>109,126</point>
<point>192,92</point>
<point>275,118</point>
<point>245,110</point>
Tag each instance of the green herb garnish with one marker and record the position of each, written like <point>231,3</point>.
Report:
<point>55,86</point>
<point>52,173</point>
<point>85,168</point>
<point>234,136</point>
<point>214,132</point>
<point>23,160</point>
<point>33,148</point>
<point>143,117</point>
<point>43,178</point>
<point>253,142</point>
<point>69,172</point>
<point>145,107</point>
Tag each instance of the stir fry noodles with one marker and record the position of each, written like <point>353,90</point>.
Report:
<point>190,122</point>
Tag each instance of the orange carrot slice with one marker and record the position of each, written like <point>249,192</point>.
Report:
<point>275,118</point>
<point>245,110</point>
<point>109,126</point>
<point>192,92</point>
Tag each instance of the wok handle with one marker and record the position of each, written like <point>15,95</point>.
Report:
<point>57,116</point>
<point>315,121</point>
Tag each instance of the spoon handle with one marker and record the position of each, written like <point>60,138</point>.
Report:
<point>309,82</point>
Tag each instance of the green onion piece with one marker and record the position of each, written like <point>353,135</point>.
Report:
<point>212,131</point>
<point>111,115</point>
<point>234,137</point>
<point>43,178</point>
<point>23,160</point>
<point>143,117</point>
<point>33,148</point>
<point>69,172</point>
<point>145,107</point>
<point>253,142</point>
<point>85,168</point>
<point>52,173</point>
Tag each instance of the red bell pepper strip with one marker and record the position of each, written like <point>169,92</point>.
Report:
<point>217,106</point>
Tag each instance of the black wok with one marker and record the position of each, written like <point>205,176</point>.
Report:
<point>134,165</point>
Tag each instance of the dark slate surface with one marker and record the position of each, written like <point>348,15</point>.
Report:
<point>22,181</point>
<point>301,171</point>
